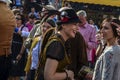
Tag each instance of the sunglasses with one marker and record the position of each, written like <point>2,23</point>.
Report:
<point>18,18</point>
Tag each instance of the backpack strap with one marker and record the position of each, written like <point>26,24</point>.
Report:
<point>22,27</point>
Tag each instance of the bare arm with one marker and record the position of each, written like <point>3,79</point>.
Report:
<point>51,74</point>
<point>50,70</point>
<point>21,51</point>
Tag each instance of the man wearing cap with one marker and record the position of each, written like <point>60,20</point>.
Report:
<point>7,24</point>
<point>88,32</point>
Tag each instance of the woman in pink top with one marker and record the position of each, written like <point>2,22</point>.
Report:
<point>30,23</point>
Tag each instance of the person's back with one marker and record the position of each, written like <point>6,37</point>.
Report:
<point>7,24</point>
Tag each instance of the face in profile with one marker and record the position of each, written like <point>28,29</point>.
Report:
<point>107,31</point>
<point>32,9</point>
<point>45,27</point>
<point>18,20</point>
<point>70,29</point>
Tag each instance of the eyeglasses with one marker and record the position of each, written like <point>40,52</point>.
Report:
<point>18,18</point>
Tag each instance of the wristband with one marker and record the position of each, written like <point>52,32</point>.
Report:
<point>66,75</point>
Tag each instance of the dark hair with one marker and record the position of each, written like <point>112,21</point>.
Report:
<point>32,16</point>
<point>76,47</point>
<point>16,11</point>
<point>51,22</point>
<point>108,19</point>
<point>22,18</point>
<point>114,27</point>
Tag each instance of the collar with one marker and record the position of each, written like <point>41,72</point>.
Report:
<point>84,25</point>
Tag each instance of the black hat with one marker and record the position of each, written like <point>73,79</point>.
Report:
<point>51,22</point>
<point>67,15</point>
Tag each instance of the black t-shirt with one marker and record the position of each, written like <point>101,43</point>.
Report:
<point>56,50</point>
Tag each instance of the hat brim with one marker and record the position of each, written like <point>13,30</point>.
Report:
<point>76,20</point>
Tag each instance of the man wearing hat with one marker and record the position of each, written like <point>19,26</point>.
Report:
<point>49,11</point>
<point>7,24</point>
<point>53,57</point>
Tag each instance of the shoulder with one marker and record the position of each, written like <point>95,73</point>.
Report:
<point>55,43</point>
<point>55,51</point>
<point>116,49</point>
<point>25,28</point>
<point>89,26</point>
<point>116,53</point>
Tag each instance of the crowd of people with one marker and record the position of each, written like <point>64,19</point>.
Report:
<point>57,45</point>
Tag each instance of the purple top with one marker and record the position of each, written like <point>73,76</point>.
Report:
<point>88,32</point>
<point>29,26</point>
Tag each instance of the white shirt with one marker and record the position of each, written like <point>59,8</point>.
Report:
<point>25,33</point>
<point>35,55</point>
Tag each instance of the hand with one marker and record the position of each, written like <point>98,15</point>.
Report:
<point>89,76</point>
<point>19,32</point>
<point>18,57</point>
<point>70,74</point>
